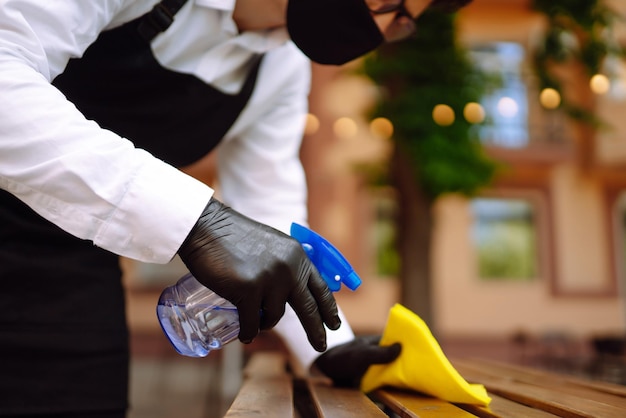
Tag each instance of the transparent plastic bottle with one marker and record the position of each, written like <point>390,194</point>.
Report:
<point>197,321</point>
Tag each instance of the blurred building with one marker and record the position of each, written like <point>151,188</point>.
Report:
<point>542,251</point>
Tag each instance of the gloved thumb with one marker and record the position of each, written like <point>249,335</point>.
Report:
<point>384,354</point>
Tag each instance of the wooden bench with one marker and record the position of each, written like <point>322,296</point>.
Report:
<point>272,389</point>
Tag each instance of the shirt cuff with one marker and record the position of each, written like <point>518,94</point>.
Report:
<point>155,216</point>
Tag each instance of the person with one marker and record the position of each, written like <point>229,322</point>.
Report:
<point>102,106</point>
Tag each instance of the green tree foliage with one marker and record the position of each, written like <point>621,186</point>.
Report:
<point>415,76</point>
<point>429,159</point>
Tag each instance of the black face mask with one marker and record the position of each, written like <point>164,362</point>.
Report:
<point>332,31</point>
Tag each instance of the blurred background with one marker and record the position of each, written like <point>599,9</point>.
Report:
<point>475,174</point>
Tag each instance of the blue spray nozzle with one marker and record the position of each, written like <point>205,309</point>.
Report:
<point>331,264</point>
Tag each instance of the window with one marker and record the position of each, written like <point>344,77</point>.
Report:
<point>505,103</point>
<point>504,234</point>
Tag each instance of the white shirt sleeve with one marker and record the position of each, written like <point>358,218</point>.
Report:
<point>88,181</point>
<point>259,167</point>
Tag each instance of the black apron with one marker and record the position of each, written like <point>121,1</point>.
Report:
<point>63,334</point>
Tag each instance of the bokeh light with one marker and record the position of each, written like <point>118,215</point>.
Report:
<point>312,124</point>
<point>443,115</point>
<point>382,128</point>
<point>549,98</point>
<point>345,128</point>
<point>507,107</point>
<point>474,112</point>
<point>599,84</point>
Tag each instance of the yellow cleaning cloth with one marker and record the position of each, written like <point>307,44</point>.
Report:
<point>421,366</point>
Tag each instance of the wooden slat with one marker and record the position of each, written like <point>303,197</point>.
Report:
<point>334,402</point>
<point>528,374</point>
<point>267,391</point>
<point>413,405</point>
<point>545,398</point>
<point>501,407</point>
<point>270,397</point>
<point>554,382</point>
<point>573,386</point>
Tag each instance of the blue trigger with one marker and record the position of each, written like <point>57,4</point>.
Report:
<point>331,264</point>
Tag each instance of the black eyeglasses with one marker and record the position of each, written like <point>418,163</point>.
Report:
<point>402,26</point>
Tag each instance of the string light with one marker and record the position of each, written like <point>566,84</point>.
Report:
<point>312,124</point>
<point>345,128</point>
<point>381,127</point>
<point>474,112</point>
<point>599,84</point>
<point>443,115</point>
<point>549,98</point>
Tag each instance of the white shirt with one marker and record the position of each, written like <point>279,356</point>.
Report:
<point>95,184</point>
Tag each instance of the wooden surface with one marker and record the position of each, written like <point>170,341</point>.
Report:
<point>560,395</point>
<point>272,390</point>
<point>409,404</point>
<point>267,390</point>
<point>331,402</point>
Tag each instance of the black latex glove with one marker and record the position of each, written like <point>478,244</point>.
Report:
<point>346,364</point>
<point>258,269</point>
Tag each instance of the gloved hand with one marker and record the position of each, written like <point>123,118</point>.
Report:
<point>258,269</point>
<point>346,364</point>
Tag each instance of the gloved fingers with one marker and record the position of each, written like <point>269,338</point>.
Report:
<point>305,307</point>
<point>273,310</point>
<point>249,320</point>
<point>384,354</point>
<point>325,300</point>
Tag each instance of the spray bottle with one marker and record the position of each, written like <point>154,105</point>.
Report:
<point>196,320</point>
